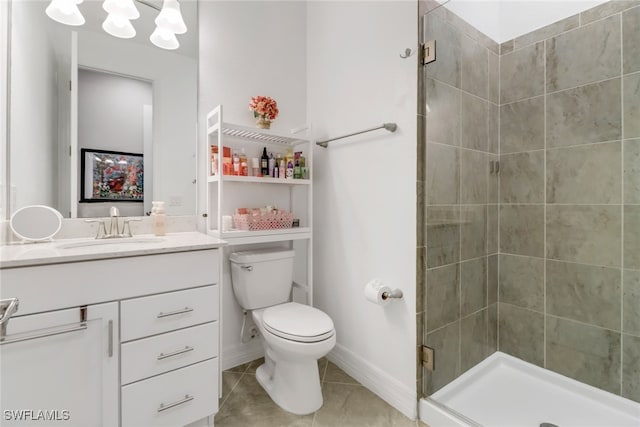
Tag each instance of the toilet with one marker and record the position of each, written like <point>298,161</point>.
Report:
<point>294,336</point>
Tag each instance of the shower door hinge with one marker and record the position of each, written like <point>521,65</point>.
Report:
<point>428,52</point>
<point>426,357</point>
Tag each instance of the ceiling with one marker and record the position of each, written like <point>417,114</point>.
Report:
<point>503,20</point>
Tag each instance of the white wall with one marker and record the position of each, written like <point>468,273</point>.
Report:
<point>249,48</point>
<point>506,19</point>
<point>33,109</point>
<point>365,187</point>
<point>111,117</point>
<point>175,91</point>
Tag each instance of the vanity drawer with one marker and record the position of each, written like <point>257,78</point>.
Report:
<point>142,317</point>
<point>162,353</point>
<point>173,399</point>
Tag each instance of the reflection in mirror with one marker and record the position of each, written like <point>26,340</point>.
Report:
<point>50,124</point>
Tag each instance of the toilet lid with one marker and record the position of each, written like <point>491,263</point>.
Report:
<point>298,322</point>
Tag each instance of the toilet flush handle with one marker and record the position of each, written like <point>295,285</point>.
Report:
<point>247,267</point>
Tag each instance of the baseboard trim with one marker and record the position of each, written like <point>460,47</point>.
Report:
<point>389,389</point>
<point>241,353</point>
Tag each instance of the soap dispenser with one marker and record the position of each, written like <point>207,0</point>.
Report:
<point>159,218</point>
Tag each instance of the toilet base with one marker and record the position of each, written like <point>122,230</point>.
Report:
<point>292,385</point>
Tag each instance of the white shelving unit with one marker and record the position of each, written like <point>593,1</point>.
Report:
<point>226,193</point>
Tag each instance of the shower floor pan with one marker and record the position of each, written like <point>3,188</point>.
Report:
<point>504,391</point>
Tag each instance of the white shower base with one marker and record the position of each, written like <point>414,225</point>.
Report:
<point>504,391</point>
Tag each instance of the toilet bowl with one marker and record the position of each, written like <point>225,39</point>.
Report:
<point>294,336</point>
<point>290,373</point>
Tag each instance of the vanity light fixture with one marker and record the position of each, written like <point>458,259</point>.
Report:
<point>120,14</point>
<point>65,11</point>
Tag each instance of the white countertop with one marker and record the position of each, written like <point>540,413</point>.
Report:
<point>64,250</point>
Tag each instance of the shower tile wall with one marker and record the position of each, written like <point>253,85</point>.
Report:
<point>460,197</point>
<point>569,263</point>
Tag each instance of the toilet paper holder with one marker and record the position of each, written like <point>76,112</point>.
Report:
<point>396,293</point>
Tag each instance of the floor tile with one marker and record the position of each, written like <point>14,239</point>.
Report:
<point>337,375</point>
<point>347,405</point>
<point>250,405</point>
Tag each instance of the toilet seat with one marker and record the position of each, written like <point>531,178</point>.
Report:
<point>298,322</point>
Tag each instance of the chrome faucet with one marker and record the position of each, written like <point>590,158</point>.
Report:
<point>114,230</point>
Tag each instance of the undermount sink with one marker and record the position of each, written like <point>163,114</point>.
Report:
<point>117,241</point>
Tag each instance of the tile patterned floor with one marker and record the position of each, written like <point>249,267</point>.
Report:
<point>346,403</point>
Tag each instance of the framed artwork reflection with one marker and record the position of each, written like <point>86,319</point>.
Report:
<point>109,176</point>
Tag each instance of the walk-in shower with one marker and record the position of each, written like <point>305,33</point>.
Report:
<point>529,194</point>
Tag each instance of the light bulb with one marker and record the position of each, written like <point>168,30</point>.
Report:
<point>121,8</point>
<point>66,12</point>
<point>164,38</point>
<point>118,27</point>
<point>171,18</point>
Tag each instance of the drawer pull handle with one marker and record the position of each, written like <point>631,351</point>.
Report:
<point>164,407</point>
<point>186,349</point>
<point>175,313</point>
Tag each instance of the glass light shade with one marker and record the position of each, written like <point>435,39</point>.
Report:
<point>171,18</point>
<point>65,11</point>
<point>118,27</point>
<point>121,8</point>
<point>164,38</point>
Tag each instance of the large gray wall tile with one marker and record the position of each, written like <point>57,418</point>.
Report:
<point>522,73</point>
<point>507,47</point>
<point>473,285</point>
<point>522,177</point>
<point>443,116</point>
<point>632,171</point>
<point>493,213</point>
<point>548,31</point>
<point>631,302</point>
<point>522,230</point>
<point>494,78</point>
<point>632,236</point>
<point>474,175</point>
<point>493,181</point>
<point>473,231</point>
<point>631,40</point>
<point>585,174</point>
<point>492,340</point>
<point>446,343</point>
<point>522,126</point>
<point>492,279</point>
<point>521,333</point>
<point>585,55</point>
<point>631,367</point>
<point>584,234</point>
<point>473,339</point>
<point>631,107</point>
<point>585,353</point>
<point>443,235</point>
<point>443,174</point>
<point>475,68</point>
<point>606,9</point>
<point>475,123</point>
<point>494,128</point>
<point>585,293</point>
<point>585,114</point>
<point>447,67</point>
<point>522,281</point>
<point>442,297</point>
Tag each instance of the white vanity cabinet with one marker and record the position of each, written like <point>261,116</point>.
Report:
<point>131,341</point>
<point>61,367</point>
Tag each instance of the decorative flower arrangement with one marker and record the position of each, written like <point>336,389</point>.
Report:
<point>265,109</point>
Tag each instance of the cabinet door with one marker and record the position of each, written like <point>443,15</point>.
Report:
<point>57,369</point>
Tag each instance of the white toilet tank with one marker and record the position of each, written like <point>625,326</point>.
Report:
<point>262,278</point>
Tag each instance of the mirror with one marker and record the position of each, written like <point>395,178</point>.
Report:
<point>35,223</point>
<point>79,88</point>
